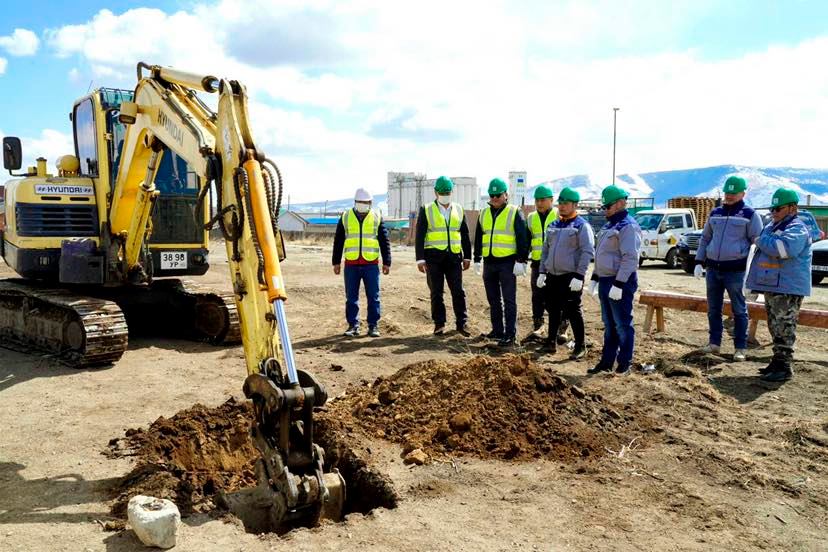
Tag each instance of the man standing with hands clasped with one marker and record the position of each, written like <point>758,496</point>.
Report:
<point>501,242</point>
<point>615,280</point>
<point>781,269</point>
<point>723,250</point>
<point>567,251</point>
<point>443,252</point>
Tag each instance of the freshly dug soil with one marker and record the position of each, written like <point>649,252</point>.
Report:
<point>200,451</point>
<point>505,407</point>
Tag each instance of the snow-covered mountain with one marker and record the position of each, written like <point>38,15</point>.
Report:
<point>707,181</point>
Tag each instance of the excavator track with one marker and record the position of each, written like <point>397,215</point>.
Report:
<point>78,330</point>
<point>217,317</point>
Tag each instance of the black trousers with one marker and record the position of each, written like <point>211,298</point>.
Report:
<point>539,299</point>
<point>564,304</point>
<point>442,269</point>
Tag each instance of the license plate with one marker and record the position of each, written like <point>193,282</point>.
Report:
<point>692,252</point>
<point>173,260</point>
<point>819,268</point>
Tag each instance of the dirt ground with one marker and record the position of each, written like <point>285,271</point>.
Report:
<point>727,463</point>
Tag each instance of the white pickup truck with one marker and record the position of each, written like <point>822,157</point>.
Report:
<point>661,230</point>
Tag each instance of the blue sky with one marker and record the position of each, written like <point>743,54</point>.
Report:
<point>345,91</point>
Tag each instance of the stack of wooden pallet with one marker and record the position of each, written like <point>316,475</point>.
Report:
<point>702,206</point>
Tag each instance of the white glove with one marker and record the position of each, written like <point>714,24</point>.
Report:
<point>616,293</point>
<point>520,269</point>
<point>698,272</point>
<point>593,288</point>
<point>576,285</point>
<point>541,280</point>
<point>478,268</point>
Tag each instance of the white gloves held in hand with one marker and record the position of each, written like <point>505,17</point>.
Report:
<point>698,272</point>
<point>541,280</point>
<point>576,285</point>
<point>593,288</point>
<point>520,269</point>
<point>478,268</point>
<point>616,293</point>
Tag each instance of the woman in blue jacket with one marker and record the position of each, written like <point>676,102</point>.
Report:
<point>781,269</point>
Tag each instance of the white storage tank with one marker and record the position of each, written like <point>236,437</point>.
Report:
<point>407,192</point>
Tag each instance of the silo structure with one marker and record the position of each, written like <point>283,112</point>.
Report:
<point>517,188</point>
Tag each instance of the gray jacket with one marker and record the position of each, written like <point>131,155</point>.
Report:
<point>568,247</point>
<point>727,236</point>
<point>618,249</point>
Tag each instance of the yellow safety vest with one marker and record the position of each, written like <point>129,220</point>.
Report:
<point>361,237</point>
<point>499,235</point>
<point>443,234</point>
<point>539,233</point>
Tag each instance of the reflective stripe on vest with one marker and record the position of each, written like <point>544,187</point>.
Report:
<point>539,233</point>
<point>441,233</point>
<point>499,235</point>
<point>361,237</point>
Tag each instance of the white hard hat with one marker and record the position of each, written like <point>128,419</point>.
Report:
<point>363,195</point>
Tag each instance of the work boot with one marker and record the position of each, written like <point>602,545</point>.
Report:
<point>773,366</point>
<point>464,331</point>
<point>778,376</point>
<point>373,331</point>
<point>739,355</point>
<point>598,368</point>
<point>439,329</point>
<point>352,331</point>
<point>622,370</point>
<point>562,339</point>
<point>578,352</point>
<point>507,341</point>
<point>493,335</point>
<point>537,328</point>
<point>550,347</point>
<point>711,349</point>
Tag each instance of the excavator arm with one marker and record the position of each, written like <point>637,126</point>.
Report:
<point>167,114</point>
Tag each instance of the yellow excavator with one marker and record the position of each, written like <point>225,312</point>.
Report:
<point>86,243</point>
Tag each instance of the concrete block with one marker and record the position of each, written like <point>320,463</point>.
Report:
<point>154,520</point>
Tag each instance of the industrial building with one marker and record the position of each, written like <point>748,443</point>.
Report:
<point>408,191</point>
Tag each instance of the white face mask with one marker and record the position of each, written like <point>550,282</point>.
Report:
<point>444,200</point>
<point>362,207</point>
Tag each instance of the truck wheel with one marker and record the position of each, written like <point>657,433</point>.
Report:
<point>641,261</point>
<point>688,266</point>
<point>672,258</point>
<point>816,280</point>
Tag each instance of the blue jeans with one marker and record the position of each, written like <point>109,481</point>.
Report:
<point>354,274</point>
<point>501,292</point>
<point>619,334</point>
<point>717,283</point>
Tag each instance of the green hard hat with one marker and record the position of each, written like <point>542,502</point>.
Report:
<point>443,185</point>
<point>568,194</point>
<point>784,196</point>
<point>497,186</point>
<point>613,193</point>
<point>734,185</point>
<point>542,192</point>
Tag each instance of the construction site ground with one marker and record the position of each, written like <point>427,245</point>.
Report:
<point>699,455</point>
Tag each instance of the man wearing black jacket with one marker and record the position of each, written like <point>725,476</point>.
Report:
<point>361,237</point>
<point>502,241</point>
<point>443,252</point>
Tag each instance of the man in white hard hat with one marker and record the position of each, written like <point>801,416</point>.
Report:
<point>362,238</point>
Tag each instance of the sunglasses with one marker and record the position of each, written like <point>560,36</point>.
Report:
<point>495,196</point>
<point>777,209</point>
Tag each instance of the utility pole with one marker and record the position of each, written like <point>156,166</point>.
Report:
<point>614,116</point>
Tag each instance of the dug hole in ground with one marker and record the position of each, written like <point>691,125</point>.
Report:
<point>520,450</point>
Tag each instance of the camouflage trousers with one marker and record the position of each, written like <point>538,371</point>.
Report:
<point>783,314</point>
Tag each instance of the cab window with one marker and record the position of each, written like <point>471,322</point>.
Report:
<point>674,222</point>
<point>86,140</point>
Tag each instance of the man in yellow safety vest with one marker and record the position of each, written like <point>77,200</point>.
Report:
<point>361,237</point>
<point>443,252</point>
<point>502,242</point>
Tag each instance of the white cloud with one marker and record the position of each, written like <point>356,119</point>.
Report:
<point>22,42</point>
<point>50,145</point>
<point>3,64</point>
<point>476,88</point>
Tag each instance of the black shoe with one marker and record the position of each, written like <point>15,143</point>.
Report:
<point>373,331</point>
<point>493,335</point>
<point>598,368</point>
<point>774,366</point>
<point>464,331</point>
<point>549,347</point>
<point>537,324</point>
<point>778,376</point>
<point>508,341</point>
<point>439,329</point>
<point>622,370</point>
<point>578,352</point>
<point>352,331</point>
<point>562,339</point>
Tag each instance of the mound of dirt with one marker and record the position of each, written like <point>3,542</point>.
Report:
<point>486,407</point>
<point>200,451</point>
